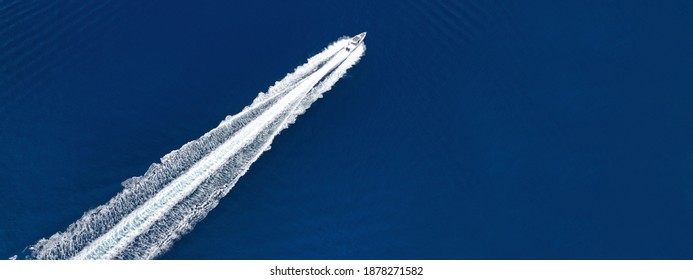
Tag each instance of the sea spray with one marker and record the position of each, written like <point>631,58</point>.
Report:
<point>181,217</point>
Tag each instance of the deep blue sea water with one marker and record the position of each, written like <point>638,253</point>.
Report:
<point>469,130</point>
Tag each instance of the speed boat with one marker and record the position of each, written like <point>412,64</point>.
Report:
<point>355,41</point>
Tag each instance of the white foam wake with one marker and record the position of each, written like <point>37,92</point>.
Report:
<point>157,208</point>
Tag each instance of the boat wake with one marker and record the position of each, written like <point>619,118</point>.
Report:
<point>155,209</point>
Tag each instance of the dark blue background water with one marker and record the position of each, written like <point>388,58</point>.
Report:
<point>470,129</point>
